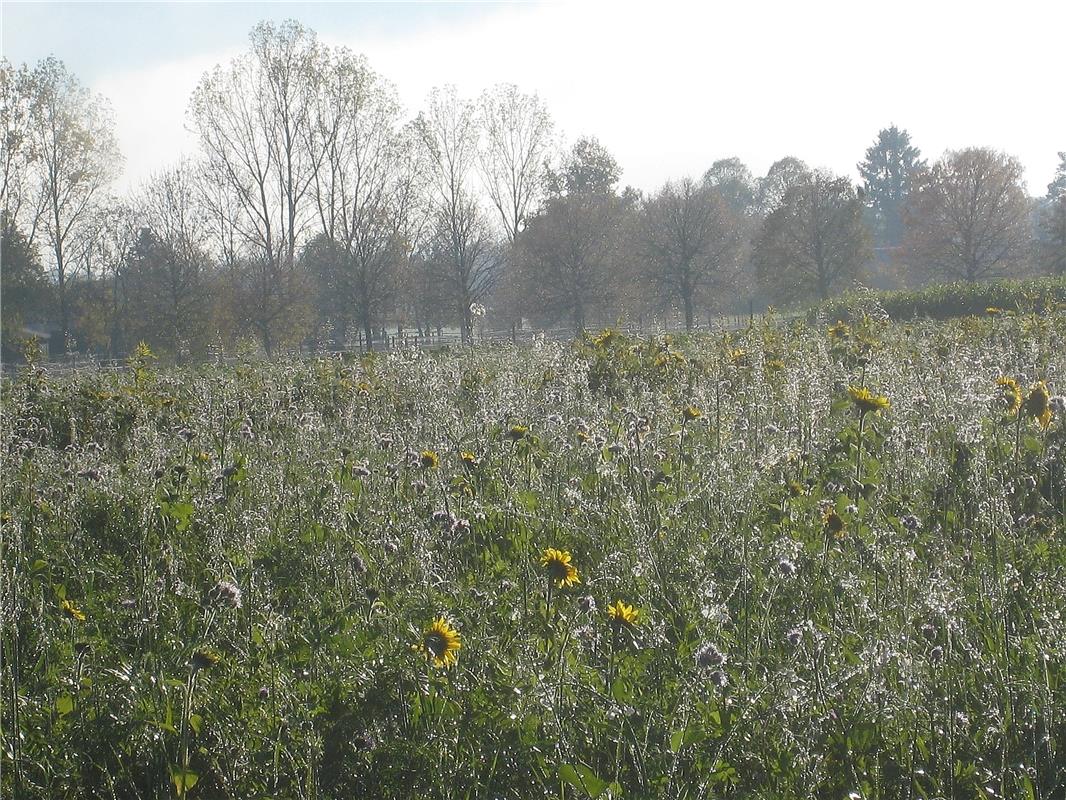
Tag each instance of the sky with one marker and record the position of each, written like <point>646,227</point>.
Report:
<point>667,88</point>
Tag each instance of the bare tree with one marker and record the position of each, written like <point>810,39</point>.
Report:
<point>255,121</point>
<point>16,148</point>
<point>76,157</point>
<point>968,217</point>
<point>734,181</point>
<point>517,131</point>
<point>690,241</point>
<point>1052,223</point>
<point>813,241</point>
<point>461,237</point>
<point>356,186</point>
<point>773,186</point>
<point>166,276</point>
<point>569,259</point>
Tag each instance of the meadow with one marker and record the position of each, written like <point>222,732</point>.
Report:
<point>801,560</point>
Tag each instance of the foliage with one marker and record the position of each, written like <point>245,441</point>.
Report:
<point>888,170</point>
<point>948,300</point>
<point>967,218</point>
<point>305,578</point>
<point>814,241</point>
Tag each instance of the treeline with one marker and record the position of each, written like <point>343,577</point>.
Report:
<point>317,213</point>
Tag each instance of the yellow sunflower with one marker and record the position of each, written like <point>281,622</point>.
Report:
<point>690,413</point>
<point>468,458</point>
<point>738,357</point>
<point>560,570</point>
<point>622,615</point>
<point>430,460</point>
<point>517,433</point>
<point>840,331</point>
<point>72,611</point>
<point>832,521</point>
<point>441,644</point>
<point>1037,404</point>
<point>1010,394</point>
<point>866,401</point>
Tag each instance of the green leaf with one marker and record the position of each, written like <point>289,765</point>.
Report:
<point>195,721</point>
<point>680,738</point>
<point>183,779</point>
<point>64,704</point>
<point>621,691</point>
<point>583,778</point>
<point>181,513</point>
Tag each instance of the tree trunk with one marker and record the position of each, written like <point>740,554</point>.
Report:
<point>688,312</point>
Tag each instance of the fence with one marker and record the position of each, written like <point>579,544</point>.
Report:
<point>432,341</point>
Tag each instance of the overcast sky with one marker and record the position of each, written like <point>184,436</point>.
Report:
<point>667,88</point>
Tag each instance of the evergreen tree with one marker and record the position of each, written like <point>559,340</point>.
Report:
<point>887,171</point>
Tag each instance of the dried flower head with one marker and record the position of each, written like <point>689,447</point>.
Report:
<point>226,594</point>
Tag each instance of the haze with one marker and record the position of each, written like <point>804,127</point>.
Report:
<point>667,89</point>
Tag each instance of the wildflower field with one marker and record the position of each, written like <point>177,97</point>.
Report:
<point>791,562</point>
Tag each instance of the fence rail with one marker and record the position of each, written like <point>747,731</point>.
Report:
<point>433,341</point>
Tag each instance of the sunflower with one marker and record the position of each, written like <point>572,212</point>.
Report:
<point>72,611</point>
<point>469,458</point>
<point>690,413</point>
<point>560,570</point>
<point>430,460</point>
<point>738,357</point>
<point>865,400</point>
<point>204,659</point>
<point>840,331</point>
<point>833,522</point>
<point>622,615</point>
<point>1037,404</point>
<point>1010,394</point>
<point>441,644</point>
<point>517,433</point>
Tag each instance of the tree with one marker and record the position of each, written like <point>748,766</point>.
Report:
<point>773,186</point>
<point>968,217</point>
<point>689,238</point>
<point>97,257</point>
<point>256,124</point>
<point>462,246</point>
<point>165,284</point>
<point>813,241</point>
<point>517,132</point>
<point>588,169</point>
<point>24,288</point>
<point>888,172</point>
<point>17,157</point>
<point>76,157</point>
<point>358,188</point>
<point>734,181</point>
<point>569,257</point>
<point>1056,190</point>
<point>1052,223</point>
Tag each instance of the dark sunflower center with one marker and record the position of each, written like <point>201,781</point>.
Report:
<point>558,570</point>
<point>436,644</point>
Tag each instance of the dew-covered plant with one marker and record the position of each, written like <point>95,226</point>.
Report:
<point>817,561</point>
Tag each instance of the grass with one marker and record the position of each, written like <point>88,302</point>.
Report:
<point>248,581</point>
